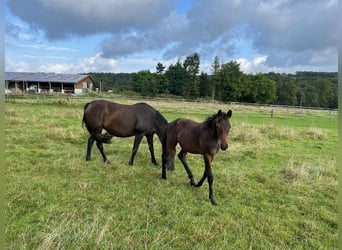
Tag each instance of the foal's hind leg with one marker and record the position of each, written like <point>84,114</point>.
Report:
<point>149,138</point>
<point>181,156</point>
<point>137,140</point>
<point>99,143</point>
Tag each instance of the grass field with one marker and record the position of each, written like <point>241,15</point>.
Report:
<point>276,186</point>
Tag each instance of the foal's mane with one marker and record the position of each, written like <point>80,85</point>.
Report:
<point>211,121</point>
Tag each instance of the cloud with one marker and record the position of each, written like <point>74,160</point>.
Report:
<point>60,19</point>
<point>257,64</point>
<point>289,33</point>
<point>163,36</point>
<point>12,65</point>
<point>292,33</point>
<point>90,64</point>
<point>18,31</point>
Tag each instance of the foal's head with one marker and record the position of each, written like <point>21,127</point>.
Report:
<point>222,126</point>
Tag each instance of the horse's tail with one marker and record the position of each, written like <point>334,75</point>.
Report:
<point>84,121</point>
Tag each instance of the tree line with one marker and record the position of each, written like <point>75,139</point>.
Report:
<point>225,82</point>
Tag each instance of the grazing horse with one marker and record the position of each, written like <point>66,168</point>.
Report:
<point>120,120</point>
<point>204,138</point>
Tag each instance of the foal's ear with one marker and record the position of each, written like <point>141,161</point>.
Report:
<point>219,113</point>
<point>229,113</point>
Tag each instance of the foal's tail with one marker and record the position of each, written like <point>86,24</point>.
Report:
<point>84,121</point>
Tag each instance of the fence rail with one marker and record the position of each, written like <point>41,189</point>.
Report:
<point>175,98</point>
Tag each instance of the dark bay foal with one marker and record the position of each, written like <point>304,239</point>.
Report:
<point>205,138</point>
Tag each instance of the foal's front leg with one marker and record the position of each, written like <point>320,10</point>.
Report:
<point>208,174</point>
<point>99,145</point>
<point>181,156</point>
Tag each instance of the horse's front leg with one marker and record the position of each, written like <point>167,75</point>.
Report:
<point>137,140</point>
<point>164,163</point>
<point>149,138</point>
<point>181,156</point>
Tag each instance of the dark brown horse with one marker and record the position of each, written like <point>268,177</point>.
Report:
<point>204,138</point>
<point>119,120</point>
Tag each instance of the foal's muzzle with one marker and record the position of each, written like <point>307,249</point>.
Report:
<point>224,147</point>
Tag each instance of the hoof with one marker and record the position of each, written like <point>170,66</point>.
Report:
<point>199,184</point>
<point>170,168</point>
<point>213,202</point>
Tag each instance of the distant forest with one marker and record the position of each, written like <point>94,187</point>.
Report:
<point>226,82</point>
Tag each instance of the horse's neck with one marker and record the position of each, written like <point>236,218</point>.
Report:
<point>161,131</point>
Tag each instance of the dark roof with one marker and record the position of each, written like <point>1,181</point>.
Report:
<point>43,77</point>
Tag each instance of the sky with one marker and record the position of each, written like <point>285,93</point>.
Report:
<point>63,36</point>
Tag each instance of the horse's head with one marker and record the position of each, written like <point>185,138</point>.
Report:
<point>223,127</point>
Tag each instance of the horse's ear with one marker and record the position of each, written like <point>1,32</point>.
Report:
<point>229,113</point>
<point>219,113</point>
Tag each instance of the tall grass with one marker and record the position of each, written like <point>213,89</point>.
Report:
<point>276,185</point>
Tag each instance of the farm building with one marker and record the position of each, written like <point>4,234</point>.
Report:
<point>18,82</point>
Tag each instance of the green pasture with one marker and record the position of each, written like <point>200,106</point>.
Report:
<point>276,186</point>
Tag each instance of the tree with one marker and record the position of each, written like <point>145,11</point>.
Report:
<point>215,79</point>
<point>145,83</point>
<point>204,85</point>
<point>287,88</point>
<point>176,76</point>
<point>324,92</point>
<point>160,68</point>
<point>231,86</point>
<point>263,89</point>
<point>191,85</point>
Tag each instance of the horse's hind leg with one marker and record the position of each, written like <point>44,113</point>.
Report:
<point>91,140</point>
<point>137,140</point>
<point>181,156</point>
<point>149,138</point>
